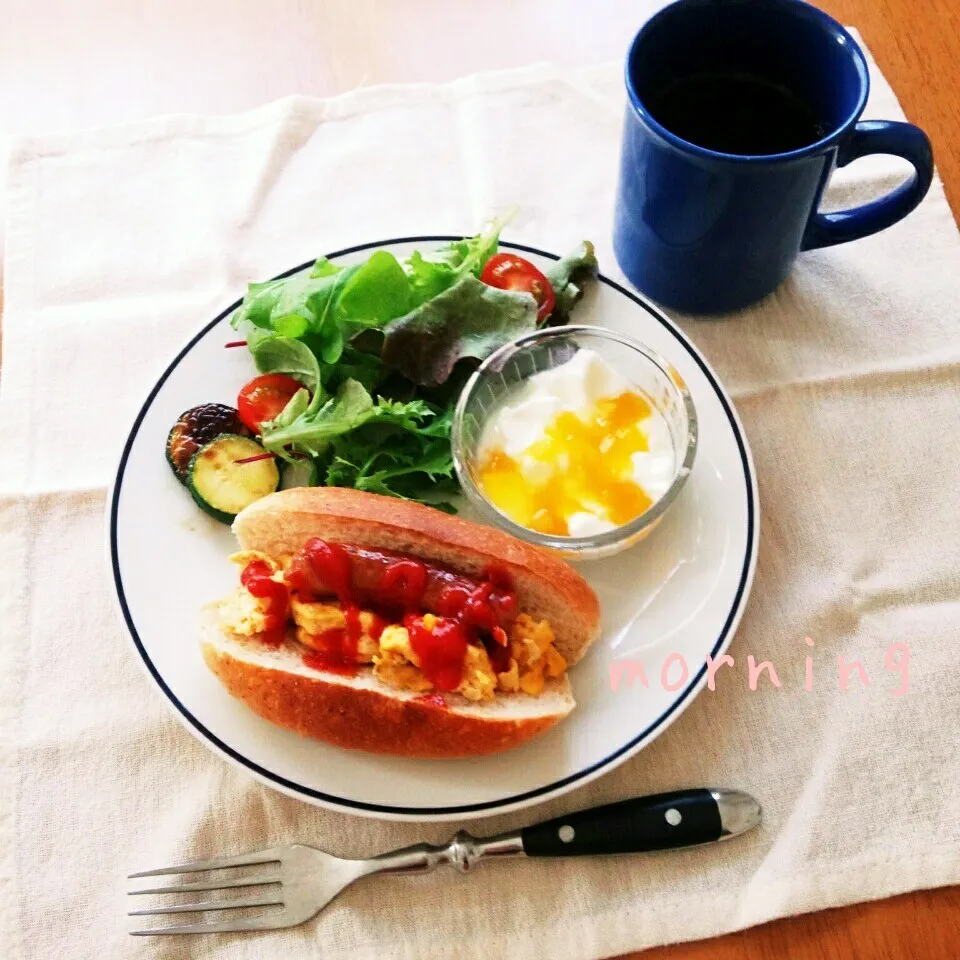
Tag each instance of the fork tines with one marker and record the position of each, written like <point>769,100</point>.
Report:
<point>262,922</point>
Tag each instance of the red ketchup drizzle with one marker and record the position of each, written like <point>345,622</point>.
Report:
<point>484,608</point>
<point>502,598</point>
<point>403,584</point>
<point>441,651</point>
<point>332,564</point>
<point>320,660</point>
<point>256,578</point>
<point>377,626</point>
<point>464,615</point>
<point>340,645</point>
<point>320,562</point>
<point>477,615</point>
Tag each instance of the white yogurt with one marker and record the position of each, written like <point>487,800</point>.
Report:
<point>576,386</point>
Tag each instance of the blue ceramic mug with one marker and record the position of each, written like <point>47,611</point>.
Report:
<point>738,111</point>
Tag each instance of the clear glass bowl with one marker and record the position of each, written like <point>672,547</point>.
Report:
<point>503,371</point>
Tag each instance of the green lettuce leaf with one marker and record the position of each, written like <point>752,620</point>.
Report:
<point>441,425</point>
<point>429,277</point>
<point>291,307</point>
<point>377,292</point>
<point>258,304</point>
<point>390,481</point>
<point>468,320</point>
<point>412,415</point>
<point>403,451</point>
<point>567,277</point>
<point>439,270</point>
<point>292,357</point>
<point>365,368</point>
<point>311,430</point>
<point>296,407</point>
<point>324,268</point>
<point>328,304</point>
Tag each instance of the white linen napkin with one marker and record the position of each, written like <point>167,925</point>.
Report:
<point>121,242</point>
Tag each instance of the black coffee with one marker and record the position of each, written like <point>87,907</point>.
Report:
<point>736,113</point>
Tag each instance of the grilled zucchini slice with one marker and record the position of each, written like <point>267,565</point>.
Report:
<point>224,478</point>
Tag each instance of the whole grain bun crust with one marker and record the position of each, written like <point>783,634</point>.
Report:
<point>547,587</point>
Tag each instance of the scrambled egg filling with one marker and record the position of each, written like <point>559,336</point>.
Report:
<point>315,620</point>
<point>533,656</point>
<point>397,665</point>
<point>243,613</point>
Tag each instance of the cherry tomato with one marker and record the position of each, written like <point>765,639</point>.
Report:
<point>510,272</point>
<point>264,397</point>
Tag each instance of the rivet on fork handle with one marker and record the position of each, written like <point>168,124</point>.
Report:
<point>462,852</point>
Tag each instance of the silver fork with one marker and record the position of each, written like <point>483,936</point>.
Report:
<point>304,879</point>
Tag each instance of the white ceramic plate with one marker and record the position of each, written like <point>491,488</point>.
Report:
<point>681,591</point>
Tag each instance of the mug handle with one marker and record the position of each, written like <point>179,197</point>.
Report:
<point>876,136</point>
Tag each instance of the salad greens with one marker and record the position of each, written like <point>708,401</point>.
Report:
<point>330,304</point>
<point>378,347</point>
<point>567,277</point>
<point>469,319</point>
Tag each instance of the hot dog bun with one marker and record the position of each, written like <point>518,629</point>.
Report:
<point>547,587</point>
<point>359,711</point>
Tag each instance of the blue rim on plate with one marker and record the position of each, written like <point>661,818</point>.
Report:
<point>499,804</point>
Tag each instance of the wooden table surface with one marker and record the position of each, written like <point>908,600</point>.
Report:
<point>66,64</point>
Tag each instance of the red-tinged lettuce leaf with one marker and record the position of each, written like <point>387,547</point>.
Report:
<point>468,320</point>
